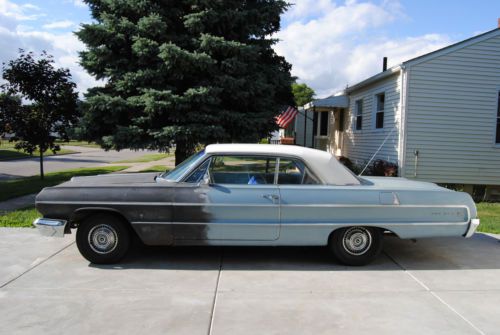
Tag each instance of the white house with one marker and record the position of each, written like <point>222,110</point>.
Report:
<point>439,114</point>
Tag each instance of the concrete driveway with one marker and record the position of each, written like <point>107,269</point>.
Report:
<point>437,286</point>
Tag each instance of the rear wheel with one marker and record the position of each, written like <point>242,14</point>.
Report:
<point>356,245</point>
<point>103,239</point>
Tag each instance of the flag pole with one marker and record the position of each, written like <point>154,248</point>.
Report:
<point>305,127</point>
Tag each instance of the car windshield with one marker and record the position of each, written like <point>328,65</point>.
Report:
<point>180,169</point>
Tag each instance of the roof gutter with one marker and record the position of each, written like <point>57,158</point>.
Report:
<point>375,78</point>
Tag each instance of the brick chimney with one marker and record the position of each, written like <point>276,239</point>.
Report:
<point>499,22</point>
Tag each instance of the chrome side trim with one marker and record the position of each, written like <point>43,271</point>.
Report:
<point>337,224</point>
<point>474,223</point>
<point>125,203</point>
<point>208,223</point>
<point>50,227</point>
<point>65,202</point>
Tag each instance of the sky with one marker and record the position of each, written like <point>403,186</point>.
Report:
<point>330,44</point>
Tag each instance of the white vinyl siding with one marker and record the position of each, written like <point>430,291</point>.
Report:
<point>497,137</point>
<point>452,112</point>
<point>360,145</point>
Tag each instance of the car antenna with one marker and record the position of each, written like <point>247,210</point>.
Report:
<point>376,152</point>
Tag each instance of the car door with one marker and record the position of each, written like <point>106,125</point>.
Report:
<point>238,201</point>
<point>302,196</point>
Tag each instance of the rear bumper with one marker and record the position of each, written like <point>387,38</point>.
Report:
<point>474,223</point>
<point>50,227</point>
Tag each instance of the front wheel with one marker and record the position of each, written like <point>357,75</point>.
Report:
<point>356,245</point>
<point>103,239</point>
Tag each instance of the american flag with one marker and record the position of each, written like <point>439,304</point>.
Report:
<point>284,119</point>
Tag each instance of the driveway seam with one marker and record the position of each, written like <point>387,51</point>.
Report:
<point>441,300</point>
<point>214,303</point>
<point>35,266</point>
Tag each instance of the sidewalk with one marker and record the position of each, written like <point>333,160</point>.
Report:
<point>17,203</point>
<point>168,163</point>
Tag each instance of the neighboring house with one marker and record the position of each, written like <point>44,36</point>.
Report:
<point>439,114</point>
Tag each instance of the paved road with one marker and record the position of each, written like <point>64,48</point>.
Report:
<point>436,286</point>
<point>88,157</point>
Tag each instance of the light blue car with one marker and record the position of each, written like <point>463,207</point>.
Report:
<point>252,195</point>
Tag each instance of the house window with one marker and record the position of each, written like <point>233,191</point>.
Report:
<point>379,111</point>
<point>320,123</point>
<point>323,124</point>
<point>359,115</point>
<point>497,139</point>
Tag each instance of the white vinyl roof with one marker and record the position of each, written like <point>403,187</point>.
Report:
<point>323,164</point>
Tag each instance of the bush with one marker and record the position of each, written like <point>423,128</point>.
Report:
<point>379,167</point>
<point>384,168</point>
<point>349,164</point>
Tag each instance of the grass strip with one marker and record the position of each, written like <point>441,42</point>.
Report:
<point>21,218</point>
<point>489,213</point>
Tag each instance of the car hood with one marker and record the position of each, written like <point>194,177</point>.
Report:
<point>398,183</point>
<point>126,179</point>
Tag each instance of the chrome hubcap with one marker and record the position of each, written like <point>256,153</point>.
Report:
<point>103,239</point>
<point>357,241</point>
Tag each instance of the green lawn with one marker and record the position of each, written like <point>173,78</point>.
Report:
<point>489,213</point>
<point>155,168</point>
<point>21,218</point>
<point>80,144</point>
<point>7,152</point>
<point>147,158</point>
<point>22,186</point>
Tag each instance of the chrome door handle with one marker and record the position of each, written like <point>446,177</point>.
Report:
<point>272,197</point>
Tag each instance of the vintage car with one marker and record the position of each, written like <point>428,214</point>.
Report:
<point>252,195</point>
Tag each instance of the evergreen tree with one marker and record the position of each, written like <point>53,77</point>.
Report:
<point>183,71</point>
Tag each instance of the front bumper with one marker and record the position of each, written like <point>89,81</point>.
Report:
<point>474,223</point>
<point>50,227</point>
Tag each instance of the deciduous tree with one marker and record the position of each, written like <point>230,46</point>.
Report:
<point>37,102</point>
<point>302,94</point>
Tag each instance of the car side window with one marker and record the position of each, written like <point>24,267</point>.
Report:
<point>197,175</point>
<point>294,172</point>
<point>242,170</point>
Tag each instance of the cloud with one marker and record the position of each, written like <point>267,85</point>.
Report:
<point>14,11</point>
<point>64,46</point>
<point>59,24</point>
<point>330,45</point>
<point>79,3</point>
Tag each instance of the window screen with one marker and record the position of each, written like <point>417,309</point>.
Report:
<point>359,115</point>
<point>379,113</point>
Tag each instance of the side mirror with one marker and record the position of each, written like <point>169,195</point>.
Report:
<point>206,179</point>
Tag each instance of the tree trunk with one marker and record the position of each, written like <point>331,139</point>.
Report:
<point>181,152</point>
<point>41,164</point>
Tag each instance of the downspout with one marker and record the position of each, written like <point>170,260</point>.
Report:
<point>312,132</point>
<point>402,120</point>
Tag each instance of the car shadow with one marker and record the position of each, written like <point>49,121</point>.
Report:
<point>480,252</point>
